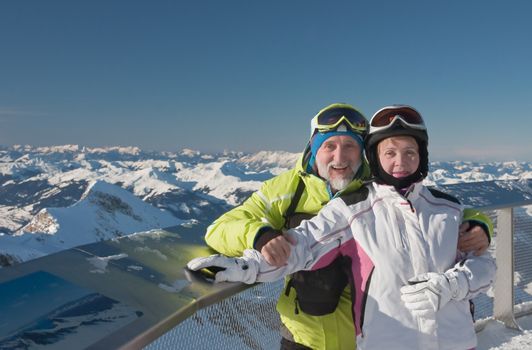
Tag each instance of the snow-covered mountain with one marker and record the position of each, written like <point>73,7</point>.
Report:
<point>57,197</point>
<point>104,211</point>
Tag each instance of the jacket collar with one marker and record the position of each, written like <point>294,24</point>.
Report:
<point>411,194</point>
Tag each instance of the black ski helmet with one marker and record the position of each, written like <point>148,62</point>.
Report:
<point>397,120</point>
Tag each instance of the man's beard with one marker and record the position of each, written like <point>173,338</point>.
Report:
<point>337,183</point>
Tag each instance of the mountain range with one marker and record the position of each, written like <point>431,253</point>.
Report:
<point>54,198</point>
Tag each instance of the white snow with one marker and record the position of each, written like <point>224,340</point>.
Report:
<point>495,336</point>
<point>104,211</point>
<point>211,177</point>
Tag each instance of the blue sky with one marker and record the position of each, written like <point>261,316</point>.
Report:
<point>248,75</point>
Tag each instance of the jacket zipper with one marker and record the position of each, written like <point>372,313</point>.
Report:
<point>411,206</point>
<point>364,301</point>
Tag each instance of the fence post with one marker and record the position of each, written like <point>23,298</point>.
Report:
<point>503,301</point>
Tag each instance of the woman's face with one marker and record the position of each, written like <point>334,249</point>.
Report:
<point>399,155</point>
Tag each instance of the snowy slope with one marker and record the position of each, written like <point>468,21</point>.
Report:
<point>104,211</point>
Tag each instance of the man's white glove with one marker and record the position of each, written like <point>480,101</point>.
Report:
<point>239,269</point>
<point>429,292</point>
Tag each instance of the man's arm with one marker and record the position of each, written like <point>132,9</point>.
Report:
<point>236,230</point>
<point>260,215</point>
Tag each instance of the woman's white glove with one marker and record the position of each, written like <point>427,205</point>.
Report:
<point>241,269</point>
<point>429,292</point>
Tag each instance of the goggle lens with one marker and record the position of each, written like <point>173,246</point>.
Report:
<point>386,117</point>
<point>331,119</point>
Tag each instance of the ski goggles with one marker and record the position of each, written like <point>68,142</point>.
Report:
<point>331,119</point>
<point>388,116</point>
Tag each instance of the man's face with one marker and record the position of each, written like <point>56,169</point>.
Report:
<point>338,160</point>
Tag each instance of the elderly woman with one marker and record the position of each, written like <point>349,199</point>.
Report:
<point>411,286</point>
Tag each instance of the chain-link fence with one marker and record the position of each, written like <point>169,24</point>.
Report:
<point>247,320</point>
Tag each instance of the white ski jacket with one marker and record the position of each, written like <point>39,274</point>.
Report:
<point>388,239</point>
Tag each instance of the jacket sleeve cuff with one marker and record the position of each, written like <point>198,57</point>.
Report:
<point>263,236</point>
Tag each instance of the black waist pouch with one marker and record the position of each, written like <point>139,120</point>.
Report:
<point>318,291</point>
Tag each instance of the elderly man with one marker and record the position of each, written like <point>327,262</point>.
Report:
<point>315,307</point>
